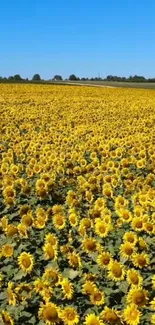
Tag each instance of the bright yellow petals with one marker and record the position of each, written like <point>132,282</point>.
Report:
<point>101,228</point>
<point>92,319</point>
<point>88,287</point>
<point>90,245</point>
<point>130,237</point>
<point>74,260</point>
<point>104,259</point>
<point>137,296</point>
<point>140,260</point>
<point>110,316</point>
<point>132,315</point>
<point>50,251</point>
<point>59,221</point>
<point>116,271</point>
<point>127,250</point>
<point>67,289</point>
<point>6,318</point>
<point>97,297</point>
<point>134,278</point>
<point>69,316</point>
<point>26,262</point>
<point>49,313</point>
<point>7,251</point>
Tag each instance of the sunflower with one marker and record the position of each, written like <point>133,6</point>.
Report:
<point>22,230</point>
<point>153,282</point>
<point>134,278</point>
<point>126,250</point>
<point>69,316</point>
<point>67,288</point>
<point>90,245</point>
<point>9,201</point>
<point>132,315</point>
<point>130,237</point>
<point>104,259</point>
<point>59,221</point>
<point>49,313</point>
<point>7,251</point>
<point>27,219</point>
<point>137,296</point>
<point>12,299</point>
<point>152,303</point>
<point>137,223</point>
<point>74,260</point>
<point>50,251</point>
<point>4,223</point>
<point>52,276</point>
<point>88,287</point>
<point>86,223</point>
<point>142,244</point>
<point>9,192</point>
<point>97,297</point>
<point>23,291</point>
<point>6,318</point>
<point>148,227</point>
<point>153,320</point>
<point>116,271</point>
<point>26,262</point>
<point>40,285</point>
<point>101,228</point>
<point>51,239</point>
<point>57,209</point>
<point>125,215</point>
<point>40,222</point>
<point>73,219</point>
<point>11,230</point>
<point>24,209</point>
<point>110,316</point>
<point>92,319</point>
<point>140,260</point>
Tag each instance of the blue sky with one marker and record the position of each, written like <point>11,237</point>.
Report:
<point>84,37</point>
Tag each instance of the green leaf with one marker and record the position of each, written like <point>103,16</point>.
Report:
<point>3,295</point>
<point>70,273</point>
<point>19,275</point>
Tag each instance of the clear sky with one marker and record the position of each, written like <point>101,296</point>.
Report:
<point>85,37</point>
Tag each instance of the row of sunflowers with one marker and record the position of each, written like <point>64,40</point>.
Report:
<point>77,205</point>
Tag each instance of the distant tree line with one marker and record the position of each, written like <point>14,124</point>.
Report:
<point>73,77</point>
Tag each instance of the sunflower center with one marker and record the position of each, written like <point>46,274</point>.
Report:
<point>50,313</point>
<point>90,245</point>
<point>133,315</point>
<point>139,298</point>
<point>141,260</point>
<point>111,316</point>
<point>59,221</point>
<point>50,252</point>
<point>139,224</point>
<point>128,250</point>
<point>70,315</point>
<point>97,296</point>
<point>117,271</point>
<point>26,262</point>
<point>134,278</point>
<point>130,239</point>
<point>105,260</point>
<point>102,229</point>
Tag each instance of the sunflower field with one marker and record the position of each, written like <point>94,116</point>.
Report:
<point>77,205</point>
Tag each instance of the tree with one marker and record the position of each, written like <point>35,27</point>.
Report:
<point>17,77</point>
<point>73,77</point>
<point>10,78</point>
<point>57,77</point>
<point>36,77</point>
